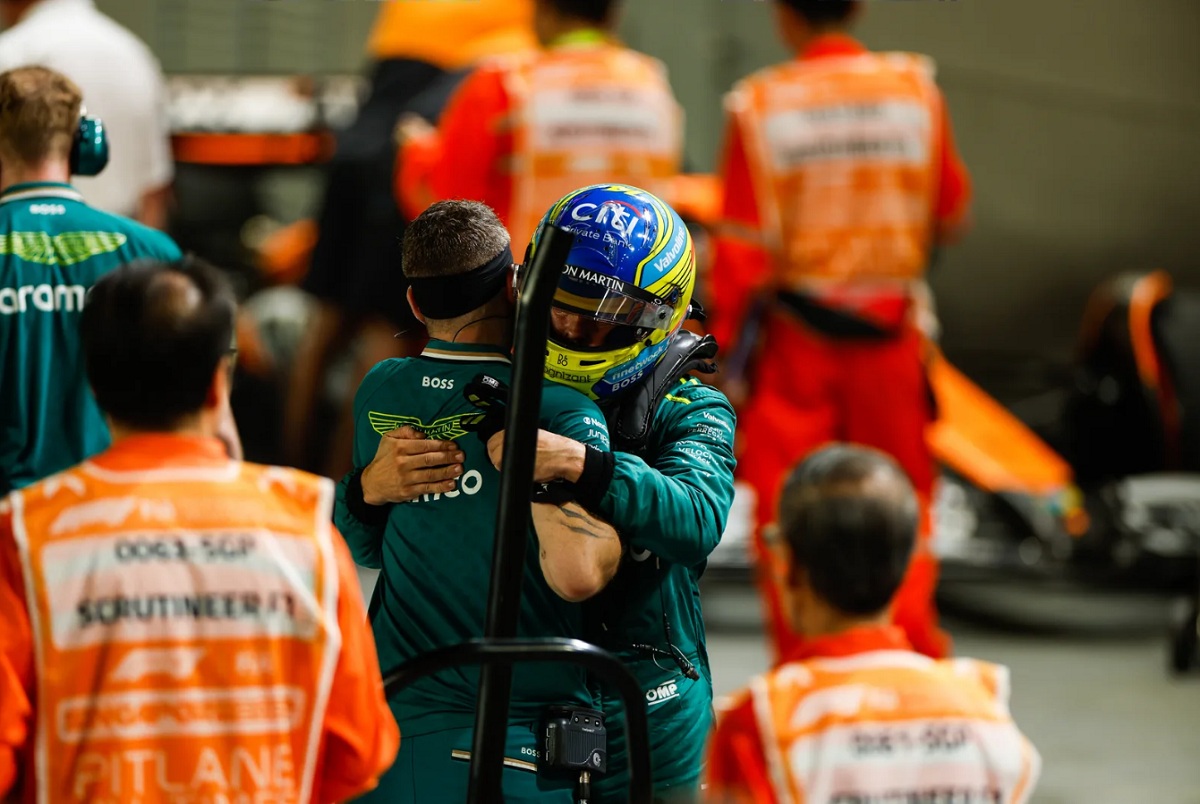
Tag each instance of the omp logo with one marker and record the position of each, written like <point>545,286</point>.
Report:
<point>662,693</point>
<point>443,429</point>
<point>67,248</point>
<point>47,298</point>
<point>180,713</point>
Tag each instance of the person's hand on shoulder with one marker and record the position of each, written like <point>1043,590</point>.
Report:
<point>407,465</point>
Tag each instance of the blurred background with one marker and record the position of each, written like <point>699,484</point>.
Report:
<point>1077,118</point>
<point>1079,121</point>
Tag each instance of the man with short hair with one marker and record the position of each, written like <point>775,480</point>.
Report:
<point>840,177</point>
<point>53,247</point>
<point>521,132</point>
<point>177,623</point>
<point>435,551</point>
<point>855,714</point>
<point>124,86</point>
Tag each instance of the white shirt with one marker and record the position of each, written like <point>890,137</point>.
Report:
<point>122,84</point>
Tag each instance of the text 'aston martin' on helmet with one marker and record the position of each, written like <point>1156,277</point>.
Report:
<point>626,289</point>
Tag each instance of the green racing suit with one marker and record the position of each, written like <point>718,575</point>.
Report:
<point>670,498</point>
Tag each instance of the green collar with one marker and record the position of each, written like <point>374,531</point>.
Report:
<point>466,352</point>
<point>581,37</point>
<point>36,189</point>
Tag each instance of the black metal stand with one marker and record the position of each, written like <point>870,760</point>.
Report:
<point>512,524</point>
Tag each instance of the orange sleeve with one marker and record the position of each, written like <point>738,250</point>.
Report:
<point>740,263</point>
<point>954,190</point>
<point>361,737</point>
<point>737,766</point>
<point>466,157</point>
<point>16,662</point>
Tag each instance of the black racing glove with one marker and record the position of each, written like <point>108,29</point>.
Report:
<point>491,397</point>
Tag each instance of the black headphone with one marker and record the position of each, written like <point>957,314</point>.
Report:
<point>89,149</point>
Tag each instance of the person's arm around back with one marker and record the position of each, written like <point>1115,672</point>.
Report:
<point>579,553</point>
<point>360,737</point>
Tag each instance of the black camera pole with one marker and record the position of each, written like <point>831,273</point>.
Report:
<point>512,524</point>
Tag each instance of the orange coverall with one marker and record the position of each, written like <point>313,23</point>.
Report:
<point>859,716</point>
<point>807,388</point>
<point>179,627</point>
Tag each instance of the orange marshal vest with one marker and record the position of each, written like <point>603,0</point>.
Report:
<point>844,152</point>
<point>185,628</point>
<point>584,116</point>
<point>892,726</point>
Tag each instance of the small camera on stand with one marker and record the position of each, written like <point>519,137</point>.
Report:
<point>576,740</point>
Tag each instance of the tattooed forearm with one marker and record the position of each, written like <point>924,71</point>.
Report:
<point>584,524</point>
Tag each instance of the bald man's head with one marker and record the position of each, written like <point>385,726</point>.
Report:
<point>153,335</point>
<point>850,516</point>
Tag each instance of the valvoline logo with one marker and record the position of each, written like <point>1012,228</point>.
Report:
<point>665,261</point>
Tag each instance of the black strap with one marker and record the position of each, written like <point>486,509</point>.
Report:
<point>635,409</point>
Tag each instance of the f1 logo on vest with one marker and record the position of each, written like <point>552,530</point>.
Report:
<point>47,298</point>
<point>612,213</point>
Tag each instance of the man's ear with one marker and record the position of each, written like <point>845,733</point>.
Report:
<point>412,304</point>
<point>221,385</point>
<point>510,287</point>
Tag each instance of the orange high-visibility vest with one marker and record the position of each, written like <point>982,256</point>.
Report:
<point>892,725</point>
<point>185,630</point>
<point>845,153</point>
<point>583,116</point>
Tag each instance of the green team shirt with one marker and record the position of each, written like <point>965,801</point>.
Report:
<point>671,504</point>
<point>53,248</point>
<point>436,552</point>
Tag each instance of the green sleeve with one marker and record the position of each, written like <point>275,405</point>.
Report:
<point>676,504</point>
<point>569,413</point>
<point>365,539</point>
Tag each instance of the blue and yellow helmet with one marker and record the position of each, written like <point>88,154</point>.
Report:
<point>631,273</point>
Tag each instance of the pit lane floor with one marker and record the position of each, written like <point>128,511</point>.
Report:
<point>1089,686</point>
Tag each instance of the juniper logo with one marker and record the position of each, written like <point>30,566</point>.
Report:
<point>46,298</point>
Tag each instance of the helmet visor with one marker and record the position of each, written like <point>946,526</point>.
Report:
<point>610,301</point>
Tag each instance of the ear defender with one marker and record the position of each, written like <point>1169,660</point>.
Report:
<point>89,150</point>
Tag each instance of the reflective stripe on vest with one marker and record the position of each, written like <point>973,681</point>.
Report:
<point>588,116</point>
<point>844,153</point>
<point>185,631</point>
<point>892,726</point>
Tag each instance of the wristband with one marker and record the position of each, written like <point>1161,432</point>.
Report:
<point>359,508</point>
<point>557,493</point>
<point>596,477</point>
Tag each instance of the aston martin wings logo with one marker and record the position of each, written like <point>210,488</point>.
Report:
<point>443,429</point>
